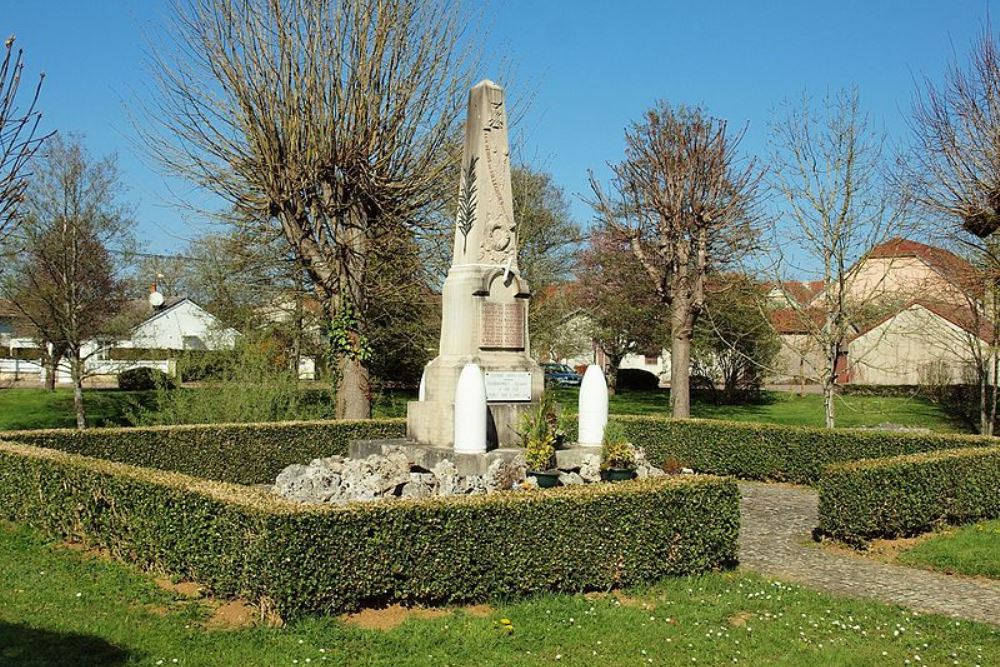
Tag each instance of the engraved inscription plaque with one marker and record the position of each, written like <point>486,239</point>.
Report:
<point>506,386</point>
<point>502,326</point>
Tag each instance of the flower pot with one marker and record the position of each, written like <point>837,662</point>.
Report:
<point>617,474</point>
<point>546,478</point>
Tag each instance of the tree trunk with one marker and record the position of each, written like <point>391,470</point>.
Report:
<point>983,388</point>
<point>829,413</point>
<point>353,389</point>
<point>76,371</point>
<point>612,376</point>
<point>51,364</point>
<point>992,383</point>
<point>681,334</point>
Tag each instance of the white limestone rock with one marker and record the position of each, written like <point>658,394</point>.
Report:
<point>570,478</point>
<point>590,469</point>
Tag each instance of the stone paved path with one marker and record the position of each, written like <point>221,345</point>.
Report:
<point>775,540</point>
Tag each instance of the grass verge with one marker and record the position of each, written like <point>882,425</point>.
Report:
<point>972,550</point>
<point>59,606</point>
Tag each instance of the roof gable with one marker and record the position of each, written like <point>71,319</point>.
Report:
<point>947,264</point>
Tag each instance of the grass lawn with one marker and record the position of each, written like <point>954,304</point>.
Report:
<point>786,408</point>
<point>36,408</point>
<point>62,607</point>
<point>972,550</point>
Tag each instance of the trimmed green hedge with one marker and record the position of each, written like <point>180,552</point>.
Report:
<point>771,451</point>
<point>256,453</point>
<point>906,495</point>
<point>236,453</point>
<point>299,559</point>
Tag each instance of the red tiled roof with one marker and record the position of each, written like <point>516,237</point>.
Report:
<point>952,267</point>
<point>802,291</point>
<point>794,321</point>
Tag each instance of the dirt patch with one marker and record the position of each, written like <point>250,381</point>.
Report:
<point>89,552</point>
<point>232,615</point>
<point>635,603</point>
<point>884,551</point>
<point>477,610</point>
<point>185,589</point>
<point>391,617</point>
<point>157,609</point>
<point>740,619</point>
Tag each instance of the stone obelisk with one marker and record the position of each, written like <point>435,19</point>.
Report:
<point>485,301</point>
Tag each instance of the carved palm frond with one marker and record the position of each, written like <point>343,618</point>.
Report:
<point>467,202</point>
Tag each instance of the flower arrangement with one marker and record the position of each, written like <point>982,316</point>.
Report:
<point>538,431</point>
<point>616,451</point>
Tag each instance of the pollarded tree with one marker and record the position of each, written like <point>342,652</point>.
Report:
<point>18,135</point>
<point>686,205</point>
<point>954,175</point>
<point>332,121</point>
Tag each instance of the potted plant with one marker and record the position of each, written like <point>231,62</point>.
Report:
<point>617,455</point>
<point>538,436</point>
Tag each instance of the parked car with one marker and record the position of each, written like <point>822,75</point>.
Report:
<point>561,375</point>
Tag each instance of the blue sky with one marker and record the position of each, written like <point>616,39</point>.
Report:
<point>590,67</point>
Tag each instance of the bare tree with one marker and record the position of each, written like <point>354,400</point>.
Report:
<point>66,282</point>
<point>687,207</point>
<point>18,135</point>
<point>953,173</point>
<point>330,120</point>
<point>828,168</point>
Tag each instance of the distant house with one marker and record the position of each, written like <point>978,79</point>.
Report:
<point>932,319</point>
<point>924,342</point>
<point>179,324</point>
<point>161,334</point>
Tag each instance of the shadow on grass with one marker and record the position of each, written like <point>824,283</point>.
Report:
<point>30,647</point>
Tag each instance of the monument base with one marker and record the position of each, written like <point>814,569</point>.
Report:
<point>432,423</point>
<point>427,456</point>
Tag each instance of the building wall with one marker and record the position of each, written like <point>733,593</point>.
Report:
<point>799,360</point>
<point>911,348</point>
<point>183,327</point>
<point>902,279</point>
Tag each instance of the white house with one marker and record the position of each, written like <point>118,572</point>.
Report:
<point>181,324</point>
<point>174,325</point>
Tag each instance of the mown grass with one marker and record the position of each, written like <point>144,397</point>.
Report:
<point>972,550</point>
<point>786,408</point>
<point>64,607</point>
<point>36,408</point>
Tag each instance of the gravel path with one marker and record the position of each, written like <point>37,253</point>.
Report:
<point>775,540</point>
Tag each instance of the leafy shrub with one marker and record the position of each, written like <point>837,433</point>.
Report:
<point>256,453</point>
<point>906,495</point>
<point>539,429</point>
<point>636,378</point>
<point>237,453</point>
<point>302,559</point>
<point>251,383</point>
<point>772,451</point>
<point>145,379</point>
<point>616,450</point>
